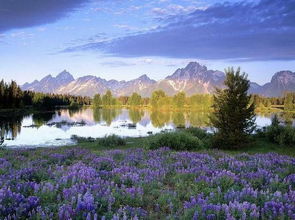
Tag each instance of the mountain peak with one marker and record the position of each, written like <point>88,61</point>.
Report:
<point>196,66</point>
<point>283,75</point>
<point>49,84</point>
<point>65,75</point>
<point>193,78</point>
<point>49,76</point>
<point>284,79</point>
<point>144,77</point>
<point>193,70</point>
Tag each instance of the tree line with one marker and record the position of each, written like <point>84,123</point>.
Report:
<point>287,101</point>
<point>11,96</point>
<point>158,100</point>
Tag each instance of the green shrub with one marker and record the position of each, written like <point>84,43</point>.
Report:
<point>274,130</point>
<point>197,132</point>
<point>260,132</point>
<point>287,136</point>
<point>79,139</point>
<point>111,141</point>
<point>108,141</point>
<point>176,141</point>
<point>283,135</point>
<point>273,133</point>
<point>202,134</point>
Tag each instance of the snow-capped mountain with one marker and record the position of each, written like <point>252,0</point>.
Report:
<point>194,78</point>
<point>50,84</point>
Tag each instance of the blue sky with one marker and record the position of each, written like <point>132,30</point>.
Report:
<point>123,39</point>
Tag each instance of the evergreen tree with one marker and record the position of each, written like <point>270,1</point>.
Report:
<point>15,94</point>
<point>2,93</point>
<point>233,116</point>
<point>11,96</point>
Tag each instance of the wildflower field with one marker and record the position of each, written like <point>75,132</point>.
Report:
<point>74,183</point>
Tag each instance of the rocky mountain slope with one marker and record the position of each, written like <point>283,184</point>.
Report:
<point>50,84</point>
<point>281,82</point>
<point>194,78</point>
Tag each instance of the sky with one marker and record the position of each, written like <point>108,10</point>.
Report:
<point>123,39</point>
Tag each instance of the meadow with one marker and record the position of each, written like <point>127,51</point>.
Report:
<point>172,174</point>
<point>79,183</point>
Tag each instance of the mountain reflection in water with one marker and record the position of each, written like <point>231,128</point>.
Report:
<point>55,128</point>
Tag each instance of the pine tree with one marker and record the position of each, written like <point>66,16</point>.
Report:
<point>2,93</point>
<point>233,116</point>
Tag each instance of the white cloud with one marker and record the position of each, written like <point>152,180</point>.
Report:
<point>125,27</point>
<point>22,35</point>
<point>175,9</point>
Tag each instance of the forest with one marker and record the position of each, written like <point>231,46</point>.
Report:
<point>11,96</point>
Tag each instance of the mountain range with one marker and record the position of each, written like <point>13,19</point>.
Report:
<point>194,78</point>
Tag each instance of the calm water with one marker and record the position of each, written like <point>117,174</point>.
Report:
<point>56,128</point>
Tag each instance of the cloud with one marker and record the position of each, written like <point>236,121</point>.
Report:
<point>173,9</point>
<point>116,64</point>
<point>125,27</point>
<point>27,13</point>
<point>22,35</point>
<point>261,30</point>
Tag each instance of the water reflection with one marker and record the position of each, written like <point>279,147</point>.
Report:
<point>97,115</point>
<point>136,115</point>
<point>178,119</point>
<point>42,118</point>
<point>10,127</point>
<point>74,111</point>
<point>199,120</point>
<point>108,115</point>
<point>56,127</point>
<point>159,119</point>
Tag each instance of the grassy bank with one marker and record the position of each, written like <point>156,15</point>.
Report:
<point>257,145</point>
<point>122,178</point>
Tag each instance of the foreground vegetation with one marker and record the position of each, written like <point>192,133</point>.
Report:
<point>75,183</point>
<point>194,139</point>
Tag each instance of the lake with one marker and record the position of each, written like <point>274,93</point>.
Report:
<point>55,128</point>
